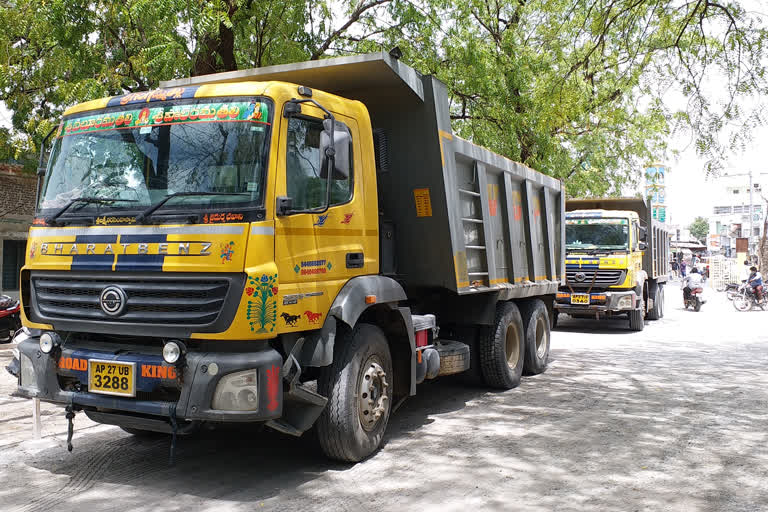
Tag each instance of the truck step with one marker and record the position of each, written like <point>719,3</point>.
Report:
<point>301,407</point>
<point>454,356</point>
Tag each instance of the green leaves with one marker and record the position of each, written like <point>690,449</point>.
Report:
<point>578,89</point>
<point>699,228</point>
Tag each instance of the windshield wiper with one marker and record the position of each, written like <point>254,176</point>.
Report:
<point>143,216</point>
<point>52,220</point>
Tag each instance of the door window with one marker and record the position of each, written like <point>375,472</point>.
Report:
<point>306,176</point>
<point>13,260</point>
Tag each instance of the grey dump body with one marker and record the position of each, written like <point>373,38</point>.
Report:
<point>656,255</point>
<point>462,218</point>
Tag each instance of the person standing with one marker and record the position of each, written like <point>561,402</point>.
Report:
<point>682,269</point>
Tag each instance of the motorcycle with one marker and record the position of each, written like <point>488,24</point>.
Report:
<point>694,299</point>
<point>732,290</point>
<point>746,299</point>
<point>10,320</point>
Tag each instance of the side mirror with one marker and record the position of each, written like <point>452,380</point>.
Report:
<point>284,205</point>
<point>341,150</point>
<point>642,246</point>
<point>643,234</point>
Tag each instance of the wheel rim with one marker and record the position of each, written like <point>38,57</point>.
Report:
<point>512,345</point>
<point>372,396</point>
<point>541,337</point>
<point>741,303</point>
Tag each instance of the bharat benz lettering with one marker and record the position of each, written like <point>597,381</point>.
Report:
<point>178,248</point>
<point>251,248</point>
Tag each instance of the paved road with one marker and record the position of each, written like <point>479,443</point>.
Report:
<point>670,418</point>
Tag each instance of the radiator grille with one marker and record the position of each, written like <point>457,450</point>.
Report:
<point>605,277</point>
<point>164,301</point>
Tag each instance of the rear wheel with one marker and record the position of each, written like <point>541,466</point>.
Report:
<point>537,335</point>
<point>656,311</point>
<point>358,385</point>
<point>662,301</point>
<point>502,348</point>
<point>697,304</point>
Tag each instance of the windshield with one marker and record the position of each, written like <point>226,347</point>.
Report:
<point>596,233</point>
<point>137,156</point>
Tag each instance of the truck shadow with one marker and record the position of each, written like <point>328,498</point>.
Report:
<point>242,463</point>
<point>599,415</point>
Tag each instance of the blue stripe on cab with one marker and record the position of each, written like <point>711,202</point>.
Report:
<point>143,239</point>
<point>93,261</point>
<point>96,239</point>
<point>140,262</point>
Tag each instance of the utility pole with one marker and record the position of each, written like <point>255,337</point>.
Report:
<point>751,220</point>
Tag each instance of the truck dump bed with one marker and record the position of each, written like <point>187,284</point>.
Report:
<point>455,215</point>
<point>656,256</point>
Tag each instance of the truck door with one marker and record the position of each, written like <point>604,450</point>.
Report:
<point>316,253</point>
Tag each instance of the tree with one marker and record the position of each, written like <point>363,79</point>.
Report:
<point>574,88</point>
<point>699,228</point>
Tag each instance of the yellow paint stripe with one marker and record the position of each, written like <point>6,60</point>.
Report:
<point>497,281</point>
<point>231,89</point>
<point>446,135</point>
<point>326,231</point>
<point>88,105</point>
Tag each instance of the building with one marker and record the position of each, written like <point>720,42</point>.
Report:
<point>730,216</point>
<point>17,209</point>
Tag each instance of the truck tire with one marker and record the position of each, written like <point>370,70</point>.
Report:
<point>657,311</point>
<point>637,318</point>
<point>663,301</point>
<point>537,334</point>
<point>502,348</point>
<point>358,385</point>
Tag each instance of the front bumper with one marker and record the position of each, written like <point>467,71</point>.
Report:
<point>610,304</point>
<point>62,378</point>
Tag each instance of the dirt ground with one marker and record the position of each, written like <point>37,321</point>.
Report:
<point>670,418</point>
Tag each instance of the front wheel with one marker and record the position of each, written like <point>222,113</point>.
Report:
<point>636,318</point>
<point>358,385</point>
<point>742,303</point>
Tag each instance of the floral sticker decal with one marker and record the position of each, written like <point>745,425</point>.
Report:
<point>262,305</point>
<point>227,250</point>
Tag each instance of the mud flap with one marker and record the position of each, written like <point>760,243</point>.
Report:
<point>301,406</point>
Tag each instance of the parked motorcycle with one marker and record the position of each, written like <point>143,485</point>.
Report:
<point>746,299</point>
<point>732,290</point>
<point>10,320</point>
<point>694,299</point>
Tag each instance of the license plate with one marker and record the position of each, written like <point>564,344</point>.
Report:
<point>579,298</point>
<point>111,378</point>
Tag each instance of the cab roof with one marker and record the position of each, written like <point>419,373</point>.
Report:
<point>600,214</point>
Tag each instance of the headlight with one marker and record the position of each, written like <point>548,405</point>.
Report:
<point>172,352</point>
<point>48,341</point>
<point>625,302</point>
<point>237,392</point>
<point>28,379</point>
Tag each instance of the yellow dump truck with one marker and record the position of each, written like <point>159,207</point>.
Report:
<point>617,259</point>
<point>291,246</point>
